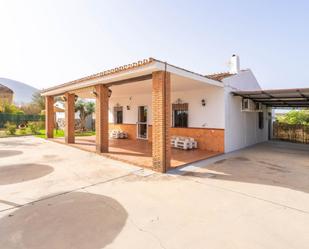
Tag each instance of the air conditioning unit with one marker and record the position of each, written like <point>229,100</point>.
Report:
<point>258,107</point>
<point>247,105</point>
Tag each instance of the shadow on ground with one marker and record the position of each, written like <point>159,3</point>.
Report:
<point>8,153</point>
<point>76,220</point>
<point>268,164</point>
<point>16,173</point>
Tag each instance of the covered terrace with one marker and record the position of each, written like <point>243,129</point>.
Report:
<point>154,86</point>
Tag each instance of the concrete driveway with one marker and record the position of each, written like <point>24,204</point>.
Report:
<point>56,196</point>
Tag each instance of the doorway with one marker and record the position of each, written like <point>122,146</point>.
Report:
<point>142,125</point>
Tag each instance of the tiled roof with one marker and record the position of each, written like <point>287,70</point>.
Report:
<point>104,73</point>
<point>219,76</point>
<point>119,69</point>
<point>5,89</point>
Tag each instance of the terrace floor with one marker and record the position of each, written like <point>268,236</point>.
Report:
<point>138,152</point>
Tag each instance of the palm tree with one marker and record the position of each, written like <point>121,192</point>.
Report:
<point>85,109</point>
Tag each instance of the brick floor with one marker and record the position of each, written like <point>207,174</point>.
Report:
<point>138,152</point>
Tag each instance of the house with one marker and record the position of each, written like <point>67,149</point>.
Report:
<point>152,101</point>
<point>6,94</point>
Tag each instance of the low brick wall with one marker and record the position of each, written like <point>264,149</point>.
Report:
<point>129,128</point>
<point>207,138</point>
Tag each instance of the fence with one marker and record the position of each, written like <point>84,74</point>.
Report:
<point>19,118</point>
<point>293,133</point>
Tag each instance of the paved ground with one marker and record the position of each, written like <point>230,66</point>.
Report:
<point>55,196</point>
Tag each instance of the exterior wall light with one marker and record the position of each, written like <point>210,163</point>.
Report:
<point>203,101</point>
<point>94,93</point>
<point>128,108</point>
<point>109,93</point>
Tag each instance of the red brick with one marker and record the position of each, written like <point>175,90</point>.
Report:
<point>101,120</point>
<point>50,116</point>
<point>161,109</point>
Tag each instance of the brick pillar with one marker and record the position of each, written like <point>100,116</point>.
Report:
<point>101,118</point>
<point>69,118</point>
<point>161,121</point>
<point>49,116</point>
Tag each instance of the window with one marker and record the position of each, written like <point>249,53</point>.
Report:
<point>261,120</point>
<point>118,115</point>
<point>180,115</point>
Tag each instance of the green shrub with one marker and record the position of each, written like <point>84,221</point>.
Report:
<point>10,128</point>
<point>41,124</point>
<point>34,127</point>
<point>23,131</point>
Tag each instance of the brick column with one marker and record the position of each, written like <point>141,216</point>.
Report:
<point>49,116</point>
<point>101,118</point>
<point>161,120</point>
<point>69,109</point>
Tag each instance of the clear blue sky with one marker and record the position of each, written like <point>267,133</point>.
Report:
<point>45,43</point>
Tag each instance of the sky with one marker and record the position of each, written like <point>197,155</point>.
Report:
<point>45,43</point>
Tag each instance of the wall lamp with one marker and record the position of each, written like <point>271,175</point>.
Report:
<point>64,98</point>
<point>203,101</point>
<point>109,94</point>
<point>93,92</point>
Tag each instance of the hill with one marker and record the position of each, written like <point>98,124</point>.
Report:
<point>22,92</point>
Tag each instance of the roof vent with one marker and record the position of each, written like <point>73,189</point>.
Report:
<point>234,64</point>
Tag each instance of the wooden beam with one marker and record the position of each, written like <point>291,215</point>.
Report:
<point>130,80</point>
<point>303,95</point>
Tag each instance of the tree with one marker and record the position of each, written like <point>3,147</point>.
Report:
<point>31,109</point>
<point>38,100</point>
<point>295,117</point>
<point>10,108</point>
<point>85,109</point>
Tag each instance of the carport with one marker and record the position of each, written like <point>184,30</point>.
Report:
<point>278,98</point>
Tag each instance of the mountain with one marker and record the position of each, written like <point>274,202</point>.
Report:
<point>22,92</point>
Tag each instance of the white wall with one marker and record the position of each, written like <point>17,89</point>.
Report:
<point>130,116</point>
<point>241,128</point>
<point>209,116</point>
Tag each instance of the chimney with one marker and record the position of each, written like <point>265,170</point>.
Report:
<point>234,64</point>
